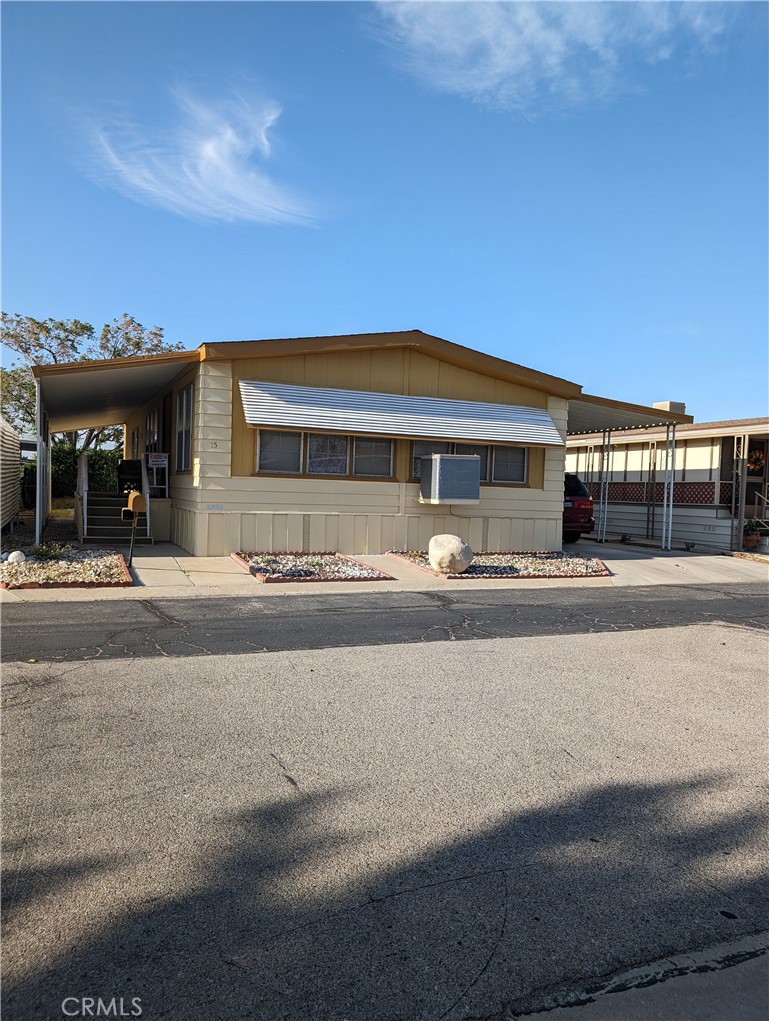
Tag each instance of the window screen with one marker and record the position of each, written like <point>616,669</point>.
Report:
<point>372,457</point>
<point>280,452</point>
<point>509,464</point>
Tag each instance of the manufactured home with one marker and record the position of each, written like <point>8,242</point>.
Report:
<point>10,481</point>
<point>317,443</point>
<point>719,480</point>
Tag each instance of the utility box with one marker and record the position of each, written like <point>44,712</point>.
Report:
<point>450,478</point>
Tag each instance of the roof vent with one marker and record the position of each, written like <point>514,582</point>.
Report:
<point>450,478</point>
<point>675,406</point>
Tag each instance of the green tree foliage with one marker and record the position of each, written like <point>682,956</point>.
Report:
<point>102,469</point>
<point>55,341</point>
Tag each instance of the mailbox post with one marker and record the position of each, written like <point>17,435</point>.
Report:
<point>136,505</point>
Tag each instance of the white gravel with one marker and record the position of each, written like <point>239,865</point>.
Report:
<point>515,565</point>
<point>94,566</point>
<point>310,566</point>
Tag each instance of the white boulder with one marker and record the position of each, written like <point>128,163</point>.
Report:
<point>17,557</point>
<point>448,554</point>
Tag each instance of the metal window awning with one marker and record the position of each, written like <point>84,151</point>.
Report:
<point>382,414</point>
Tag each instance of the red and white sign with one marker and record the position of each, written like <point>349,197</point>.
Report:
<point>157,460</point>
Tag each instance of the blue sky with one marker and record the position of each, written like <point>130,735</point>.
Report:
<point>577,187</point>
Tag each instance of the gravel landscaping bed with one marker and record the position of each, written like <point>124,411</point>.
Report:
<point>65,567</point>
<point>271,567</point>
<point>514,565</point>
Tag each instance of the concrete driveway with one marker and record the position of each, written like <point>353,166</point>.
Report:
<point>464,826</point>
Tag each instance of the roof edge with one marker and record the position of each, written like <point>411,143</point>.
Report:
<point>56,368</point>
<point>663,418</point>
<point>456,354</point>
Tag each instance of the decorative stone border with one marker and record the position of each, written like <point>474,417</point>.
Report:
<point>604,572</point>
<point>271,579</point>
<point>125,582</point>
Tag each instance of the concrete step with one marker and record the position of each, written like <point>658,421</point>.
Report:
<point>113,530</point>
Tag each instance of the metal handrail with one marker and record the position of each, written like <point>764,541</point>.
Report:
<point>764,515</point>
<point>82,487</point>
<point>146,492</point>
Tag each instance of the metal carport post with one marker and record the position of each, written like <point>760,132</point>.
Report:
<point>603,492</point>
<point>667,487</point>
<point>43,469</point>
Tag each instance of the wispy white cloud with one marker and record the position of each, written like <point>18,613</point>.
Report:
<point>540,57</point>
<point>207,161</point>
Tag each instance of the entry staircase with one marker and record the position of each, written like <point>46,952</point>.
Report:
<point>103,524</point>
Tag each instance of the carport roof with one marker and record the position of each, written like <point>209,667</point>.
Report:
<point>591,414</point>
<point>84,395</point>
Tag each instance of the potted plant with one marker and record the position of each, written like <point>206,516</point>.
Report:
<point>751,533</point>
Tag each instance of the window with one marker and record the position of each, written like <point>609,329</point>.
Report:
<point>372,457</point>
<point>423,448</point>
<point>184,429</point>
<point>151,437</point>
<point>135,445</point>
<point>279,452</point>
<point>509,464</point>
<point>326,455</point>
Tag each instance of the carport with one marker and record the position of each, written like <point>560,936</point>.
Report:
<point>86,395</point>
<point>591,414</point>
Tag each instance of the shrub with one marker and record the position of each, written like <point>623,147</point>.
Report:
<point>63,469</point>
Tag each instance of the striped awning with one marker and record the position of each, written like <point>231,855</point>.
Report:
<point>378,414</point>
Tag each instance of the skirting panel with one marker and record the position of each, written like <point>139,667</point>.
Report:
<point>218,534</point>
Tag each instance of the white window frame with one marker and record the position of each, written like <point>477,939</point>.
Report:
<point>184,428</point>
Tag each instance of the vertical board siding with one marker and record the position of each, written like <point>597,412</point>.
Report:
<point>10,480</point>
<point>353,533</point>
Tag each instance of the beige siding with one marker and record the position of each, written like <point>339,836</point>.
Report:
<point>222,506</point>
<point>358,517</point>
<point>702,455</point>
<point>361,533</point>
<point>10,494</point>
<point>387,371</point>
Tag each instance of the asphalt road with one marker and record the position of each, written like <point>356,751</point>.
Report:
<point>221,625</point>
<point>408,808</point>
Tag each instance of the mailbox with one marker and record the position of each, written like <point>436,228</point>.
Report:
<point>137,505</point>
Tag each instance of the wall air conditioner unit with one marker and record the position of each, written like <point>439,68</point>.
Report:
<point>450,478</point>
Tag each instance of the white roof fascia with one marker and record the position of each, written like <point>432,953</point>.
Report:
<point>381,414</point>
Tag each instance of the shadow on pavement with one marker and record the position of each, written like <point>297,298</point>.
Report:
<point>245,624</point>
<point>621,875</point>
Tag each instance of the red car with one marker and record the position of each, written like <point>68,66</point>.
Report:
<point>577,508</point>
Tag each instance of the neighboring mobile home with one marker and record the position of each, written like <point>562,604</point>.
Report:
<point>712,459</point>
<point>10,483</point>
<point>315,443</point>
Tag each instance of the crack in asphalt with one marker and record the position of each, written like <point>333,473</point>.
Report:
<point>490,957</point>
<point>227,626</point>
